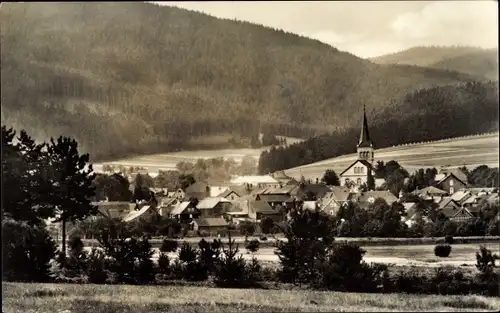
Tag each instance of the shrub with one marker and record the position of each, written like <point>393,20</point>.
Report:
<point>26,252</point>
<point>209,253</point>
<point>309,235</point>
<point>232,271</point>
<point>247,228</point>
<point>252,245</point>
<point>263,238</point>
<point>164,264</point>
<point>169,245</point>
<point>266,225</point>
<point>442,250</point>
<point>96,269</point>
<point>345,270</point>
<point>449,239</point>
<point>187,253</point>
<point>129,258</point>
<point>485,259</point>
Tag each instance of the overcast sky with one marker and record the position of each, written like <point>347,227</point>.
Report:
<point>369,28</point>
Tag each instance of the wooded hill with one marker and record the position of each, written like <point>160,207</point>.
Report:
<point>427,114</point>
<point>470,60</point>
<point>137,78</point>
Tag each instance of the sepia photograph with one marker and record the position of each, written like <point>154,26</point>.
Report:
<point>250,156</point>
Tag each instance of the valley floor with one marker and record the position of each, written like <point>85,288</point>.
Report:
<point>69,298</point>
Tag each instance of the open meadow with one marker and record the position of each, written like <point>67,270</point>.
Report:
<point>167,161</point>
<point>471,152</point>
<point>70,298</point>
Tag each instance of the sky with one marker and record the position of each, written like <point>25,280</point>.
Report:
<point>369,28</point>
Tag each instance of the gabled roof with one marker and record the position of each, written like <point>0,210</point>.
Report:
<point>114,209</point>
<point>273,198</point>
<point>451,212</point>
<point>211,222</point>
<point>215,191</point>
<point>261,207</point>
<point>254,179</point>
<point>364,162</point>
<point>136,214</point>
<point>447,175</point>
<point>340,193</point>
<point>460,195</point>
<point>431,190</point>
<point>285,190</point>
<point>210,203</point>
<point>229,191</point>
<point>447,201</point>
<point>375,194</point>
<point>183,208</point>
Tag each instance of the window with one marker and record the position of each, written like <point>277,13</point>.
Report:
<point>362,169</point>
<point>451,190</point>
<point>451,182</point>
<point>359,182</point>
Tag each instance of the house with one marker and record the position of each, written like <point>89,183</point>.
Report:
<point>185,211</point>
<point>198,190</point>
<point>364,199</point>
<point>429,193</point>
<point>272,199</point>
<point>258,181</point>
<point>460,196</point>
<point>457,214</point>
<point>358,173</point>
<point>212,206</point>
<point>447,203</point>
<point>333,200</point>
<point>165,205</point>
<point>159,192</point>
<point>114,209</point>
<point>147,212</point>
<point>215,191</point>
<point>451,181</point>
<point>258,209</point>
<point>305,191</point>
<point>232,194</point>
<point>212,226</point>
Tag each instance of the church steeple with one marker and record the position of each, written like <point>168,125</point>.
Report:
<point>364,136</point>
<point>365,144</point>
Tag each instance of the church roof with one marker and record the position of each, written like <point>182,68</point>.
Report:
<point>364,137</point>
<point>364,162</point>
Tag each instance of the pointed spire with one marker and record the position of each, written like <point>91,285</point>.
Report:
<point>364,136</point>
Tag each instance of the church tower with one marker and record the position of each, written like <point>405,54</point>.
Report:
<point>365,144</point>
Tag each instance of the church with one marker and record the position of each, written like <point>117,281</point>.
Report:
<point>359,172</point>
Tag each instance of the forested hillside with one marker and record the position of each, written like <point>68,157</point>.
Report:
<point>470,60</point>
<point>427,114</point>
<point>137,78</point>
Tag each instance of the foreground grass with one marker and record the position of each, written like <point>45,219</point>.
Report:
<point>68,298</point>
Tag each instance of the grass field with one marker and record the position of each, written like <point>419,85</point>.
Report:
<point>471,152</point>
<point>167,161</point>
<point>68,298</point>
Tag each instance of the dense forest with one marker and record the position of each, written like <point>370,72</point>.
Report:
<point>427,114</point>
<point>136,78</point>
<point>470,60</point>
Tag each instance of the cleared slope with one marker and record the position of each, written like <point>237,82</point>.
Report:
<point>137,78</point>
<point>457,152</point>
<point>471,60</point>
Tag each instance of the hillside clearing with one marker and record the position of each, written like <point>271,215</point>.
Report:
<point>68,298</point>
<point>471,152</point>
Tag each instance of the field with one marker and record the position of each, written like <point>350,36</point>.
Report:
<point>167,161</point>
<point>472,152</point>
<point>68,298</point>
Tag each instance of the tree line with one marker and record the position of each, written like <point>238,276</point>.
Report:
<point>427,114</point>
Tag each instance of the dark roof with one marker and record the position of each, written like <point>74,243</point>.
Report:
<point>446,201</point>
<point>456,175</point>
<point>273,198</point>
<point>228,192</point>
<point>376,194</point>
<point>364,162</point>
<point>211,222</point>
<point>261,207</point>
<point>364,136</point>
<point>340,193</point>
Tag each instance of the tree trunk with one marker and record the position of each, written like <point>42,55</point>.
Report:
<point>63,237</point>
